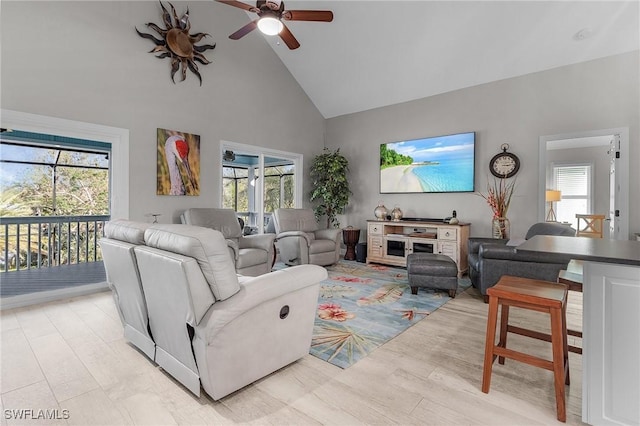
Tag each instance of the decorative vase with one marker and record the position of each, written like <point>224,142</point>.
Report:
<point>500,228</point>
<point>396,214</point>
<point>381,211</point>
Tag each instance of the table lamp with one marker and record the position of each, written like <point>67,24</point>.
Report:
<point>550,197</point>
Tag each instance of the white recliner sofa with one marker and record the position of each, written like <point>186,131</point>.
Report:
<point>215,328</point>
<point>120,239</point>
<point>300,241</point>
<point>252,254</point>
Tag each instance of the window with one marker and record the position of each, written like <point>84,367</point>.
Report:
<point>278,187</point>
<point>574,181</point>
<point>43,175</point>
<point>234,188</point>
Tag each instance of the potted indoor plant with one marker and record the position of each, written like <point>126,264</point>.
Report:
<point>330,185</point>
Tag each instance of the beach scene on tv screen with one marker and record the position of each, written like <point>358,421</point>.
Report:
<point>438,164</point>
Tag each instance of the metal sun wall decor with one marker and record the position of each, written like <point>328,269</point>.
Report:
<point>178,163</point>
<point>178,44</point>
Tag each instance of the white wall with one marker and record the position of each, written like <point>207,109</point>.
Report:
<point>599,94</point>
<point>84,61</point>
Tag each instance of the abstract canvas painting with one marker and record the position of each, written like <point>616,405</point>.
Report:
<point>178,163</point>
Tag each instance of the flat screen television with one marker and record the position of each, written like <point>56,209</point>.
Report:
<point>436,164</point>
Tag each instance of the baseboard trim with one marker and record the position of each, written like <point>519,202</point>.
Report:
<point>50,296</point>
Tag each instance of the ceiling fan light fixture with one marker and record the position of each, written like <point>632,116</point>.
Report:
<point>273,4</point>
<point>270,25</point>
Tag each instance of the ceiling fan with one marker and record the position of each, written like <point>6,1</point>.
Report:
<point>271,13</point>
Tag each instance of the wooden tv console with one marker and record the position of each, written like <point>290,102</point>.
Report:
<point>390,242</point>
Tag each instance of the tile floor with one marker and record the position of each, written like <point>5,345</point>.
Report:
<point>69,357</point>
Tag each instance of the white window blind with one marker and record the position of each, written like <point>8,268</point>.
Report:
<point>574,183</point>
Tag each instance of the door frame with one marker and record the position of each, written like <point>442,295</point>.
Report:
<point>622,173</point>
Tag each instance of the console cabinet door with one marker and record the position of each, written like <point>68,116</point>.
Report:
<point>448,249</point>
<point>374,248</point>
<point>395,250</point>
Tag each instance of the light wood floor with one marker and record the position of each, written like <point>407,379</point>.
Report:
<point>70,355</point>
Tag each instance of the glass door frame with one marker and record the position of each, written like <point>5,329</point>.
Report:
<point>261,153</point>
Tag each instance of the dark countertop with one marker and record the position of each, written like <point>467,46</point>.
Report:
<point>594,249</point>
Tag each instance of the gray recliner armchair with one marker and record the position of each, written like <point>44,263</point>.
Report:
<point>490,258</point>
<point>253,255</point>
<point>300,241</point>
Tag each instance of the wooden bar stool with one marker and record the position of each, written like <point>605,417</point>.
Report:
<point>572,277</point>
<point>536,295</point>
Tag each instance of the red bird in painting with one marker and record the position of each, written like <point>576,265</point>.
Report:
<point>176,150</point>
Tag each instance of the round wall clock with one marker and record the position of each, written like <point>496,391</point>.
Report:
<point>504,164</point>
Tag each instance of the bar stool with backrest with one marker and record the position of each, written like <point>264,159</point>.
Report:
<point>536,295</point>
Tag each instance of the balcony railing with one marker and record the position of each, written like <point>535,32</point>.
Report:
<point>46,241</point>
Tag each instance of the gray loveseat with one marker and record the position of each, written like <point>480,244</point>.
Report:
<point>490,259</point>
<point>182,303</point>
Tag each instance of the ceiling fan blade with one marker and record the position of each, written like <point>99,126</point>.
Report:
<point>239,4</point>
<point>288,38</point>
<point>308,15</point>
<point>244,30</point>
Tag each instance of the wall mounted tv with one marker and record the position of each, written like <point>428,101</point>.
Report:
<point>436,164</point>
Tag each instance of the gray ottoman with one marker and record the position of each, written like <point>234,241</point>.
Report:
<point>435,271</point>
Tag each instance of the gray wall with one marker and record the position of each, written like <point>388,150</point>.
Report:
<point>83,61</point>
<point>600,94</point>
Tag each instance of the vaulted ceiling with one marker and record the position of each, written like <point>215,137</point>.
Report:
<point>378,53</point>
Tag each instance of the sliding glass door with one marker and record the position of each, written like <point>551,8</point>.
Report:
<point>257,181</point>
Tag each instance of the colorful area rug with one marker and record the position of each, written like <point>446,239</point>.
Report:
<point>362,306</point>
